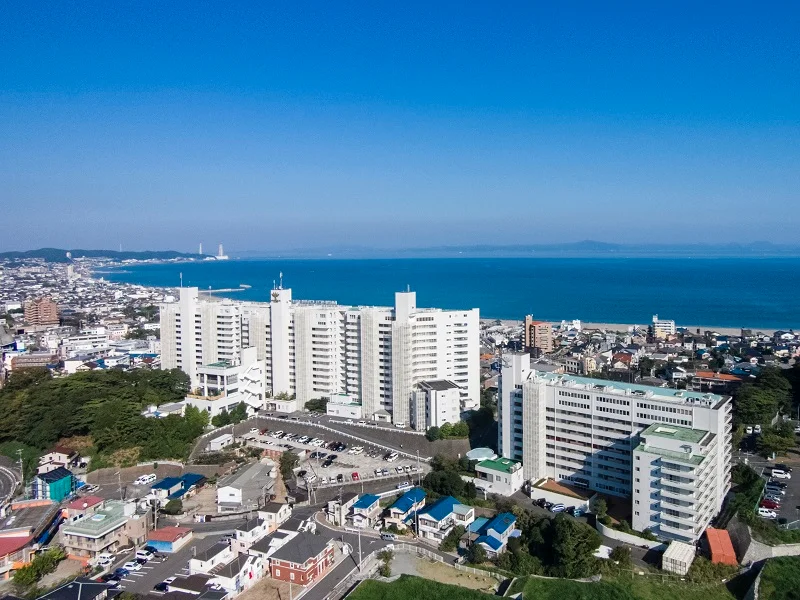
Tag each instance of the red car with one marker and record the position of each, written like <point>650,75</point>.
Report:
<point>355,476</point>
<point>770,504</point>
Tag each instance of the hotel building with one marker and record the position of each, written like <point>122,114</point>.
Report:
<point>318,349</point>
<point>589,433</point>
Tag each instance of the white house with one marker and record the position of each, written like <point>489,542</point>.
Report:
<point>435,521</point>
<point>275,514</point>
<point>238,574</point>
<point>345,406</point>
<point>220,442</point>
<point>499,476</point>
<point>249,488</point>
<point>203,562</point>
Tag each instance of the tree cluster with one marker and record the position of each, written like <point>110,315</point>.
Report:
<point>38,410</point>
<point>42,564</point>
<point>237,415</point>
<point>759,402</point>
<point>445,480</point>
<point>317,405</point>
<point>458,430</point>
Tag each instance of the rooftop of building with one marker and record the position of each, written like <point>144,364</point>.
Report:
<point>438,385</point>
<point>249,477</point>
<point>80,588</point>
<point>109,516</point>
<point>675,432</point>
<point>407,501</point>
<point>365,501</point>
<point>631,389</point>
<point>85,502</point>
<point>54,475</point>
<point>673,455</point>
<point>212,551</point>
<point>301,548</point>
<point>28,515</point>
<point>503,465</point>
<point>168,534</point>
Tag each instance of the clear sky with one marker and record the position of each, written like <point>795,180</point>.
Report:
<point>270,125</point>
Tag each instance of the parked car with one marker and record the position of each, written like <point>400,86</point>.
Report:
<point>144,554</point>
<point>778,483</point>
<point>778,474</point>
<point>122,572</point>
<point>132,565</point>
<point>355,476</point>
<point>378,473</point>
<point>766,503</point>
<point>108,577</point>
<point>403,485</point>
<point>254,430</point>
<point>399,469</point>
<point>757,429</point>
<point>783,467</point>
<point>327,464</point>
<point>161,586</point>
<point>302,473</point>
<point>767,513</point>
<point>339,478</point>
<point>557,508</point>
<point>311,478</point>
<point>775,490</point>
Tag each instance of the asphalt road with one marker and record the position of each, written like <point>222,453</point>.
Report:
<point>8,482</point>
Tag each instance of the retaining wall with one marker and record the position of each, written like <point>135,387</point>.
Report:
<point>629,538</point>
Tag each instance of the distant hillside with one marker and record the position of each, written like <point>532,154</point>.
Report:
<point>59,255</point>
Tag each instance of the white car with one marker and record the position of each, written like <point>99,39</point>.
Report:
<point>324,480</point>
<point>132,565</point>
<point>757,429</point>
<point>403,485</point>
<point>778,474</point>
<point>311,478</point>
<point>254,430</point>
<point>767,513</point>
<point>748,430</point>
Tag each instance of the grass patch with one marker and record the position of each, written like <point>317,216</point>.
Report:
<point>780,579</point>
<point>408,587</point>
<point>623,588</point>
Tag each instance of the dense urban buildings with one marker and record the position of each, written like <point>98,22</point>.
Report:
<point>588,432</point>
<point>318,349</point>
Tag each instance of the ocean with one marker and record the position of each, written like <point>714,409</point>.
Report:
<point>720,292</point>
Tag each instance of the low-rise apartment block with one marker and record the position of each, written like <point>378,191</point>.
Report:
<point>113,525</point>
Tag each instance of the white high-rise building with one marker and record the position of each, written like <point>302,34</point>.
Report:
<point>586,432</point>
<point>316,349</point>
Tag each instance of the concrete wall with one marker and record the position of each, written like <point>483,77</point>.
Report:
<point>629,538</point>
<point>557,498</point>
<point>749,550</point>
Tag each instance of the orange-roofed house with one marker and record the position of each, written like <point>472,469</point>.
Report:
<point>81,507</point>
<point>716,383</point>
<point>720,547</point>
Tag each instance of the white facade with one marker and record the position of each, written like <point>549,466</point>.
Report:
<point>662,328</point>
<point>318,349</point>
<point>676,489</point>
<point>583,431</point>
<point>221,386</point>
<point>500,476</point>
<point>344,406</point>
<point>435,403</point>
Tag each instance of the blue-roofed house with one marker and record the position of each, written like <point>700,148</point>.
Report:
<point>436,520</point>
<point>401,513</point>
<point>494,534</point>
<point>173,488</point>
<point>366,511</point>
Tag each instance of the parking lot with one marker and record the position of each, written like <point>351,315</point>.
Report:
<point>352,464</point>
<point>790,502</point>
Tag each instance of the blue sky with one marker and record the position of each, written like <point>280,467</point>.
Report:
<point>264,126</point>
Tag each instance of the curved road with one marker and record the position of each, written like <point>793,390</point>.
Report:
<point>8,483</point>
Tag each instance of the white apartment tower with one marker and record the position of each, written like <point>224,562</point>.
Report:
<point>587,432</point>
<point>315,349</point>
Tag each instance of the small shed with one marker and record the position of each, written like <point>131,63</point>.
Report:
<point>218,443</point>
<point>678,558</point>
<point>169,539</point>
<point>720,547</point>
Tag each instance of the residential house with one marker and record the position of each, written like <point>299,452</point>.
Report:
<point>53,485</point>
<point>248,533</point>
<point>436,520</point>
<point>268,545</point>
<point>303,559</point>
<point>59,456</point>
<point>249,488</point>
<point>82,507</point>
<point>716,383</point>
<point>202,562</point>
<point>80,588</point>
<point>275,514</point>
<point>178,488</point>
<point>238,574</point>
<point>401,513</point>
<point>113,525</point>
<point>338,508</point>
<point>365,512</point>
<point>494,535</point>
<point>499,476</point>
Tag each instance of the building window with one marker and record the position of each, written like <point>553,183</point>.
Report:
<point>291,576</point>
<point>277,572</point>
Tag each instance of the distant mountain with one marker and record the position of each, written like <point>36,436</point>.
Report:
<point>57,255</point>
<point>582,249</point>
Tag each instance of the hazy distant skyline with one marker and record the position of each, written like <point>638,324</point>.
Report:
<point>397,125</point>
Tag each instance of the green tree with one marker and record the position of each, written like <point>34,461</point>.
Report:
<point>173,507</point>
<point>573,547</point>
<point>446,430</point>
<point>477,554</point>
<point>450,541</point>
<point>621,555</point>
<point>317,405</point>
<point>221,419</point>
<point>600,508</point>
<point>433,434</point>
<point>445,483</point>
<point>288,461</point>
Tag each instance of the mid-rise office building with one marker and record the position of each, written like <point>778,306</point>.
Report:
<point>538,336</point>
<point>584,432</point>
<point>318,349</point>
<point>663,328</point>
<point>41,311</point>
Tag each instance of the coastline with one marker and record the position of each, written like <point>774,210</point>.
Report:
<point>623,327</point>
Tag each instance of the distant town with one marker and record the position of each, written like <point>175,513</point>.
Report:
<point>169,442</point>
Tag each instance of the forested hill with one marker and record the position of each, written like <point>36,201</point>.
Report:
<point>104,408</point>
<point>59,255</point>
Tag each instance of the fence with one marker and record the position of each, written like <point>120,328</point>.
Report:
<point>439,558</point>
<point>368,565</point>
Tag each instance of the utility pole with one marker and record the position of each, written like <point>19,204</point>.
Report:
<point>359,549</point>
<point>419,471</point>
<point>22,473</point>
